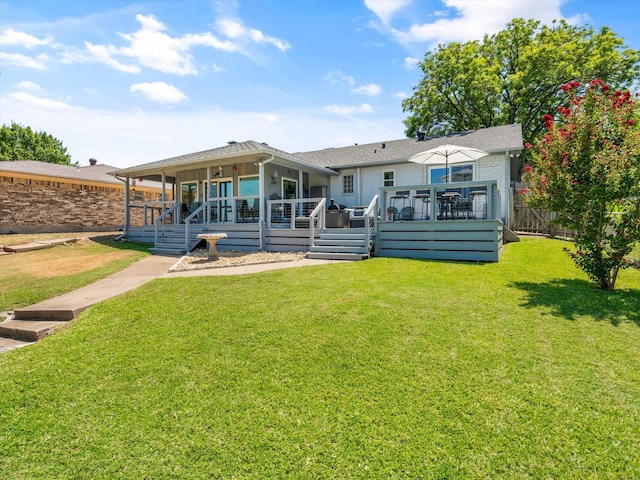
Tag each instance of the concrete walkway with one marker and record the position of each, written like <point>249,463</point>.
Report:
<point>37,321</point>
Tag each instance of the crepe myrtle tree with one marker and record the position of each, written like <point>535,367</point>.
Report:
<point>586,169</point>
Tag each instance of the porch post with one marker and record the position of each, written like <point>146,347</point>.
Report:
<point>164,188</point>
<point>300,192</point>
<point>263,203</point>
<point>207,209</point>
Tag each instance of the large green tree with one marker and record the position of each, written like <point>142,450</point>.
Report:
<point>586,168</point>
<point>513,76</point>
<point>22,143</point>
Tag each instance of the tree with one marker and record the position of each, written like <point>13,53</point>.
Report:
<point>586,168</point>
<point>513,76</point>
<point>22,143</point>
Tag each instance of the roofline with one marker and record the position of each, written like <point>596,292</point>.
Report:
<point>141,170</point>
<point>401,160</point>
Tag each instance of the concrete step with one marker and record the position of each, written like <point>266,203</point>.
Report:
<point>39,245</point>
<point>33,312</point>
<point>29,330</point>
<point>337,256</point>
<point>170,252</point>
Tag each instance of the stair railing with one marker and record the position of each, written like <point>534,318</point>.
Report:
<point>161,220</point>
<point>187,223</point>
<point>371,220</point>
<point>316,227</point>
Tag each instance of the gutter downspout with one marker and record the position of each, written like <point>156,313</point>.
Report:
<point>261,194</point>
<point>125,227</point>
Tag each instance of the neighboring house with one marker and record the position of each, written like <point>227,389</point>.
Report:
<point>268,199</point>
<point>46,197</point>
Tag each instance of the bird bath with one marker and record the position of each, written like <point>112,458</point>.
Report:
<point>212,239</point>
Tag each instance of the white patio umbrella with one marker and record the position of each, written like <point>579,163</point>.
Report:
<point>448,154</point>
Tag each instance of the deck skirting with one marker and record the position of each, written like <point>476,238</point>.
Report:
<point>475,241</point>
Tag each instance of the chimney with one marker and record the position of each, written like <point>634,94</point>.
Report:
<point>384,145</point>
<point>420,136</point>
<point>92,161</point>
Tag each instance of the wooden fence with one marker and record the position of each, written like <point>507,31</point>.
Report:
<point>534,220</point>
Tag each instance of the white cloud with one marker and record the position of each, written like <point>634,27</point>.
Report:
<point>159,92</point>
<point>346,110</point>
<point>410,63</point>
<point>27,98</point>
<point>155,49</point>
<point>385,9</point>
<point>12,37</point>
<point>103,54</point>
<point>20,60</point>
<point>337,76</point>
<point>27,85</point>
<point>370,90</point>
<point>152,47</point>
<point>235,30</point>
<point>474,19</point>
<point>400,95</point>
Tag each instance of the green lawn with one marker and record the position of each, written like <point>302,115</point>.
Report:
<point>387,368</point>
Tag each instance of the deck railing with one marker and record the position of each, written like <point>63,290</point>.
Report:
<point>477,200</point>
<point>287,213</point>
<point>152,210</point>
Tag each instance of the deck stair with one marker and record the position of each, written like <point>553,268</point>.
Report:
<point>341,244</point>
<point>171,241</point>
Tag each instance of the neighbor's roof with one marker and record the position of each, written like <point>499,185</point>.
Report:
<point>91,173</point>
<point>491,140</point>
<point>232,150</point>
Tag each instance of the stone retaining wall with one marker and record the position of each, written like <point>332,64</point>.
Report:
<point>32,206</point>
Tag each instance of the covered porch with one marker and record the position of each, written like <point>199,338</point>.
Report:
<point>244,189</point>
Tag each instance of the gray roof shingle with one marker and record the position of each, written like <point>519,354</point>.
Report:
<point>491,140</point>
<point>231,150</point>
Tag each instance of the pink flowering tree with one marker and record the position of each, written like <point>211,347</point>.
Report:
<point>586,169</point>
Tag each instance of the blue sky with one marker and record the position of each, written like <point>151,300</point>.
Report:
<point>133,82</point>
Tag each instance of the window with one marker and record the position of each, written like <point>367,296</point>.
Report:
<point>249,186</point>
<point>457,173</point>
<point>189,193</point>
<point>347,184</point>
<point>388,179</point>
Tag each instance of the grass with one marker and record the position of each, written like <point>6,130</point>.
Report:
<point>388,368</point>
<point>30,277</point>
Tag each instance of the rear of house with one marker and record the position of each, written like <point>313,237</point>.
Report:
<point>267,199</point>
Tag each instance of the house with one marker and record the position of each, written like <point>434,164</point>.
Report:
<point>46,197</point>
<point>264,198</point>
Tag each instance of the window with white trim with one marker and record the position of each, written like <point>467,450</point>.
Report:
<point>347,184</point>
<point>388,178</point>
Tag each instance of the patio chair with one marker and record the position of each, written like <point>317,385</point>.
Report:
<point>406,213</point>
